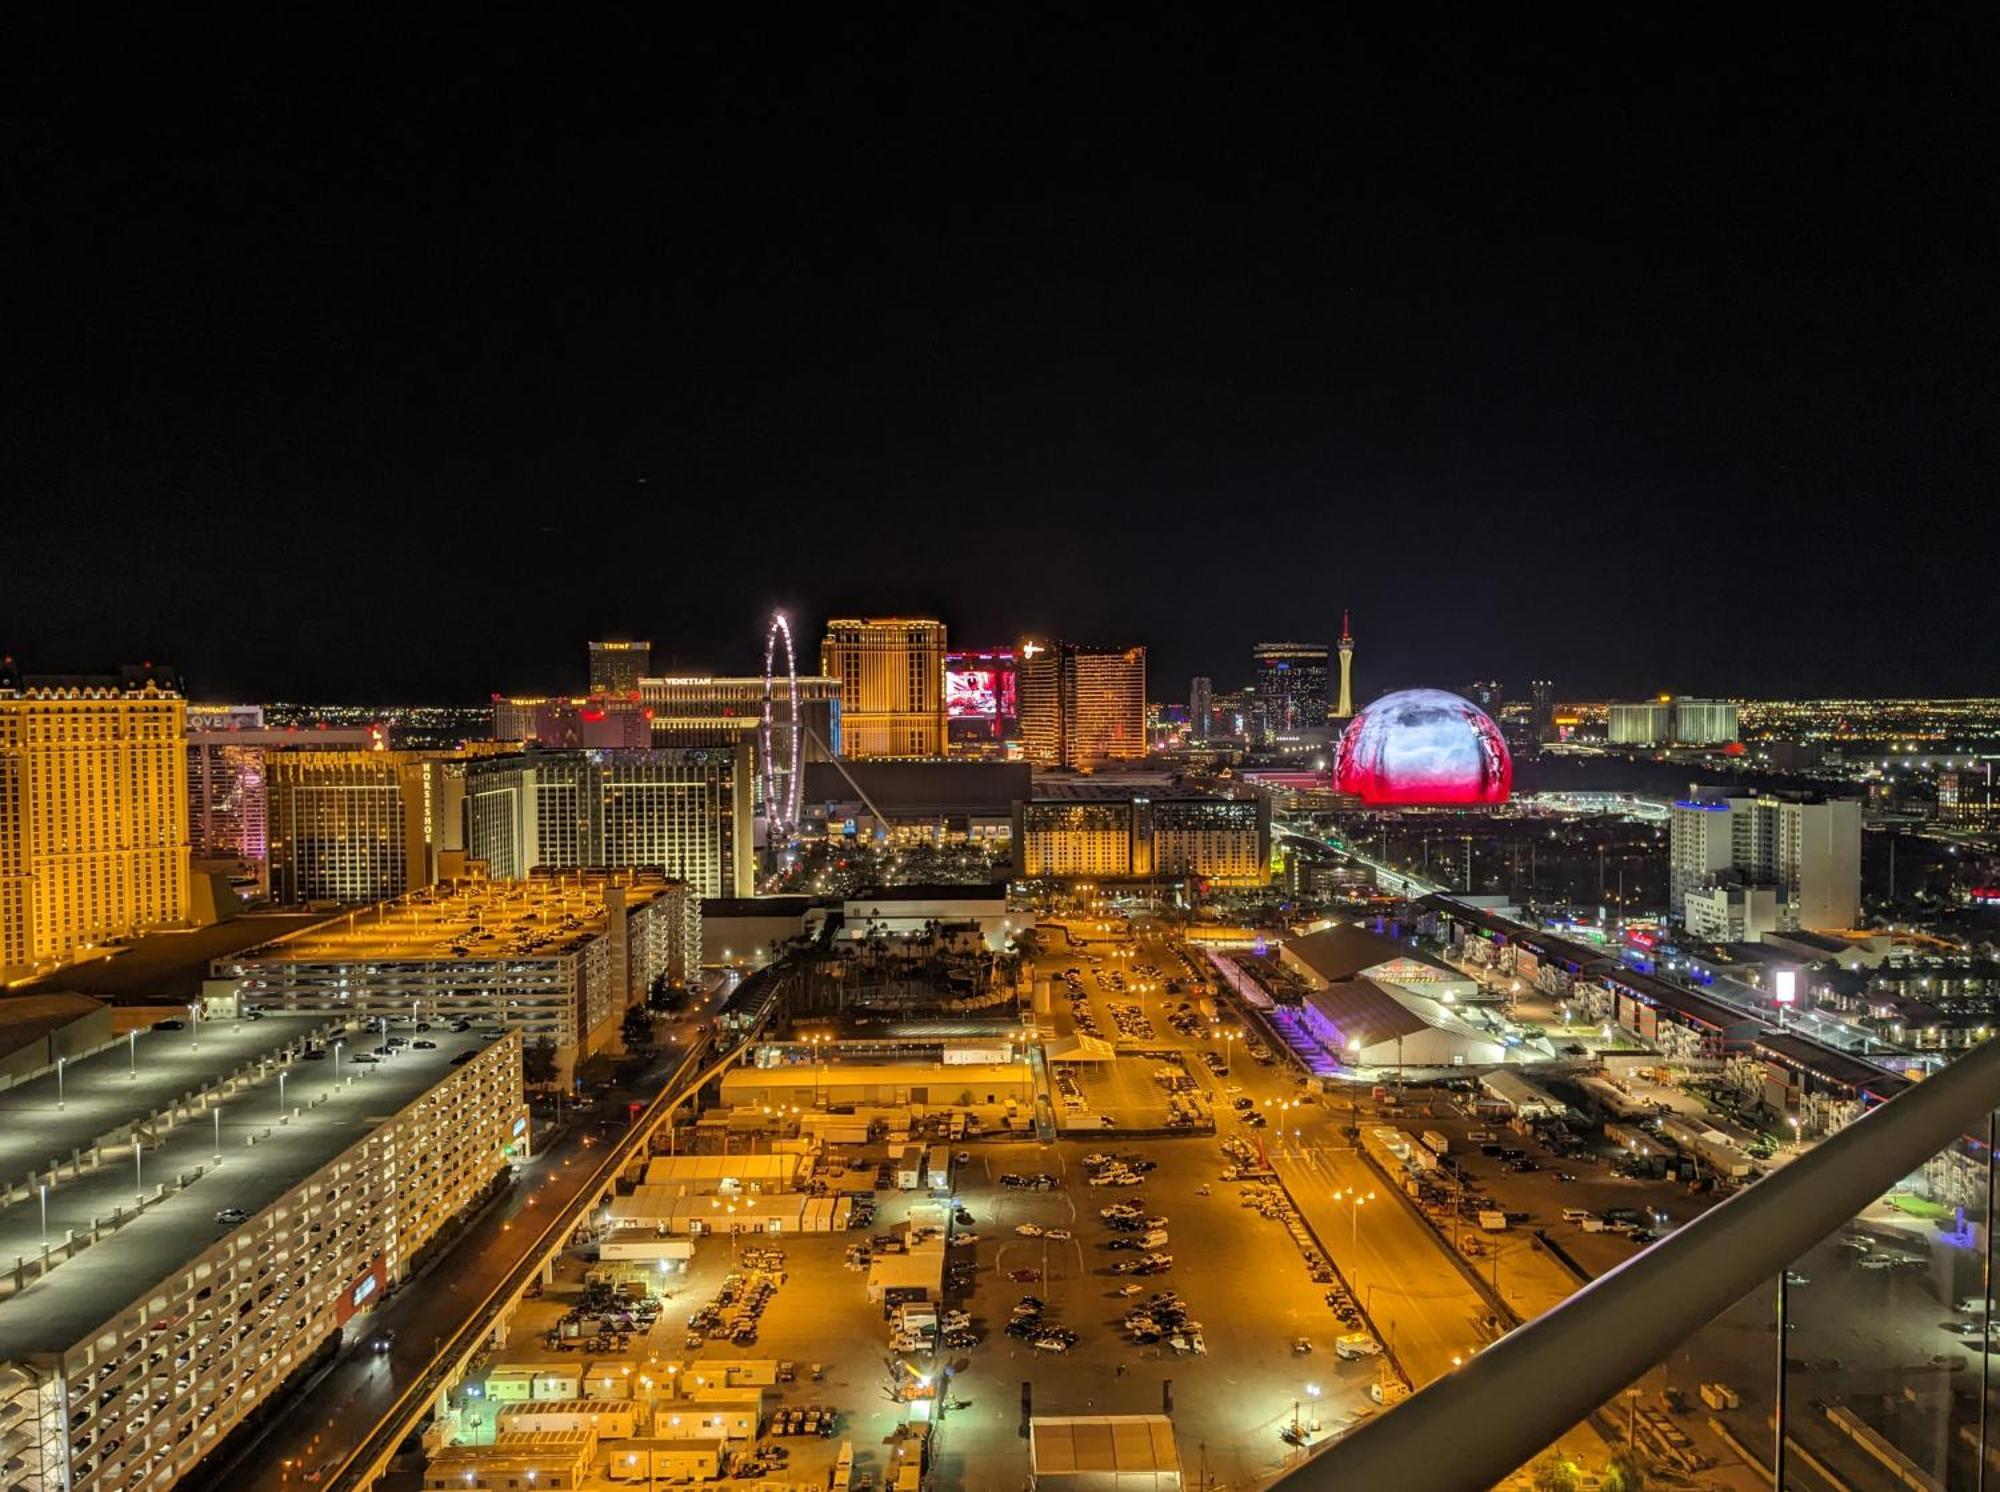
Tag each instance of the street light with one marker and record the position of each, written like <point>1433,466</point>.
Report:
<point>281,1095</point>
<point>1354,1198</point>
<point>61,1063</point>
<point>132,1047</point>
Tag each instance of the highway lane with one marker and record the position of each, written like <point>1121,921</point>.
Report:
<point>338,1410</point>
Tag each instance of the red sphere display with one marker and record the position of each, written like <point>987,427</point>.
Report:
<point>1423,747</point>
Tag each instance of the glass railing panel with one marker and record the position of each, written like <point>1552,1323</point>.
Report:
<point>1890,1366</point>
<point>1703,1417</point>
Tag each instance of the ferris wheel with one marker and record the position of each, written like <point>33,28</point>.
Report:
<point>779,740</point>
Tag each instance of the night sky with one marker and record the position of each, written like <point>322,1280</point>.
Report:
<point>389,365</point>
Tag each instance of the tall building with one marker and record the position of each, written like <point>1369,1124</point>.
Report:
<point>229,753</point>
<point>1704,722</point>
<point>1290,680</point>
<point>892,692</point>
<point>1082,706</point>
<point>1650,723</point>
<point>1808,849</point>
<point>93,812</point>
<point>617,667</point>
<point>682,810</point>
<point>1201,706</point>
<point>362,826</point>
<point>1543,719</point>
<point>1488,694</point>
<point>705,710</point>
<point>1345,708</point>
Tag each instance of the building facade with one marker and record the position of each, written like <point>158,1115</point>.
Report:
<point>229,754</point>
<point>138,1396</point>
<point>1705,722</point>
<point>1650,723</point>
<point>93,814</point>
<point>1808,850</point>
<point>617,667</point>
<point>578,951</point>
<point>1732,912</point>
<point>1201,706</point>
<point>892,685</point>
<point>1290,681</point>
<point>704,710</point>
<point>982,700</point>
<point>685,811</point>
<point>1082,706</point>
<point>362,826</point>
<point>1124,835</point>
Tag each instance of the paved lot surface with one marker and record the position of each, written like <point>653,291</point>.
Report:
<point>1241,1276</point>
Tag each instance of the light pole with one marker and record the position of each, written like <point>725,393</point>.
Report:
<point>1312,1398</point>
<point>1354,1200</point>
<point>132,1049</point>
<point>281,1095</point>
<point>61,1063</point>
<point>45,1214</point>
<point>139,1168</point>
<point>215,1112</point>
<point>194,1026</point>
<point>336,1062</point>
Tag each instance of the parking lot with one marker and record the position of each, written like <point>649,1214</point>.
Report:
<point>1241,1277</point>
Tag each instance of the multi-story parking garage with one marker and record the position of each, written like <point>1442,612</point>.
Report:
<point>559,957</point>
<point>190,1266</point>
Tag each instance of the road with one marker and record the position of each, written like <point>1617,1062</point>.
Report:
<point>1410,1285</point>
<point>337,1410</point>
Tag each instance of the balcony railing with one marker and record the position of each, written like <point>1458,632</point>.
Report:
<point>1824,1303</point>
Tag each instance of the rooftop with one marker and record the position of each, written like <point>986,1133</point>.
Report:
<point>920,789</point>
<point>875,896</point>
<point>1342,951</point>
<point>1365,1011</point>
<point>1809,1056</point>
<point>25,1019</point>
<point>540,917</point>
<point>166,968</point>
<point>100,1098</point>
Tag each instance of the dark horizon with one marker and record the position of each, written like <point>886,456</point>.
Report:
<point>392,369</point>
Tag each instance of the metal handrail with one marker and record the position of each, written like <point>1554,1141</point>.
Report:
<point>1478,1424</point>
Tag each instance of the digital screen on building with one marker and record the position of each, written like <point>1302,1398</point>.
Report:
<point>970,693</point>
<point>979,693</point>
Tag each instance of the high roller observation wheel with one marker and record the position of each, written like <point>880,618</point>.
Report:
<point>783,786</point>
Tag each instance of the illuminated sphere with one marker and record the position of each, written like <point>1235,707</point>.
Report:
<point>1423,746</point>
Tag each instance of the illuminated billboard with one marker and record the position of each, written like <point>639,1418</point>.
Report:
<point>980,686</point>
<point>1423,747</point>
<point>971,694</point>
